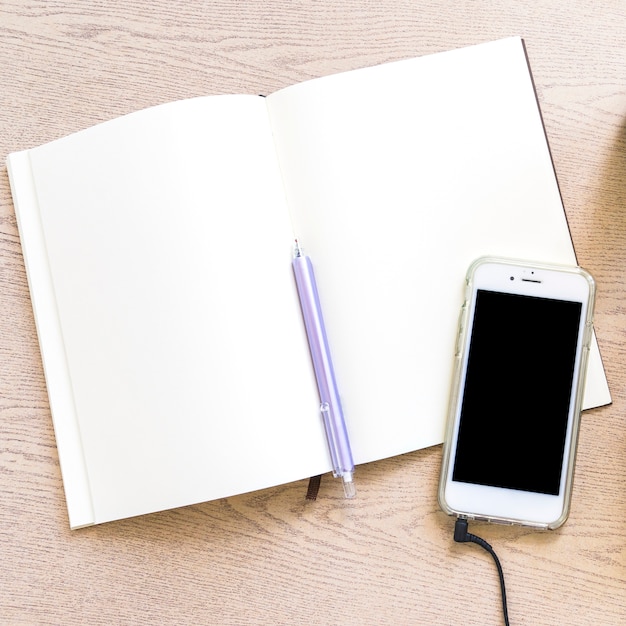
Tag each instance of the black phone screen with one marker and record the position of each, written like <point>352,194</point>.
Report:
<point>517,393</point>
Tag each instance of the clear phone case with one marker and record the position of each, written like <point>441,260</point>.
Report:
<point>462,330</point>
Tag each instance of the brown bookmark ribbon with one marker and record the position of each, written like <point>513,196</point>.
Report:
<point>314,487</point>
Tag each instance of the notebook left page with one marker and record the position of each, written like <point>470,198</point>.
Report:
<point>158,249</point>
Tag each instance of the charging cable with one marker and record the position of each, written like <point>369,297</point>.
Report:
<point>461,535</point>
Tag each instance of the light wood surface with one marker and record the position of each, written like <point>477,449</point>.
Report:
<point>272,557</point>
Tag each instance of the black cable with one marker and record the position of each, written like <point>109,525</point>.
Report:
<point>461,535</point>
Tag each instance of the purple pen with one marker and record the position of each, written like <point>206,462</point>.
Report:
<point>330,407</point>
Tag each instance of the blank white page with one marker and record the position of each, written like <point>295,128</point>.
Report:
<point>169,247</point>
<point>398,177</point>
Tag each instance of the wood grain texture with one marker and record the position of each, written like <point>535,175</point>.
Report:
<point>272,557</point>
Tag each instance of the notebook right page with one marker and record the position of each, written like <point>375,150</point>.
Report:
<point>397,177</point>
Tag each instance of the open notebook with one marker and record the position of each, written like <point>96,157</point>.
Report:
<point>158,250</point>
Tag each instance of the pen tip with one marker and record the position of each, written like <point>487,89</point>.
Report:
<point>349,488</point>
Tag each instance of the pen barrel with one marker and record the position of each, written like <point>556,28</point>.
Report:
<point>330,403</point>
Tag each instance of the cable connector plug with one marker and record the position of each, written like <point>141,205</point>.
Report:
<point>460,530</point>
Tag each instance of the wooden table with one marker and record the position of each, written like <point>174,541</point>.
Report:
<point>271,557</point>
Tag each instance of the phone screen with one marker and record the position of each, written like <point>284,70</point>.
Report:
<point>517,393</point>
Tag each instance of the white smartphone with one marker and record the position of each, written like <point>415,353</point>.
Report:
<point>524,337</point>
